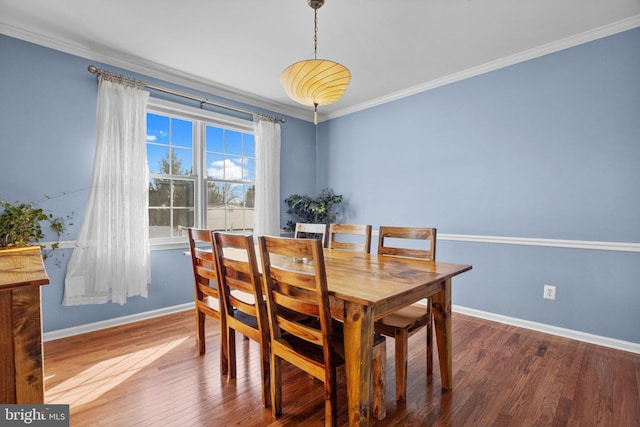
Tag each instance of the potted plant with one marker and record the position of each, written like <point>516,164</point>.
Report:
<point>312,210</point>
<point>21,224</point>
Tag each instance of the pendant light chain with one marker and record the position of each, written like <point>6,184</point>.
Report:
<point>315,34</point>
<point>315,56</point>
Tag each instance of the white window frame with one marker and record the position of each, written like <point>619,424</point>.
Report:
<point>203,118</point>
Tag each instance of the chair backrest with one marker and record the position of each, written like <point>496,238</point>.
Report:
<point>350,230</point>
<point>240,285</point>
<point>203,260</point>
<point>426,234</point>
<point>311,231</point>
<point>297,290</point>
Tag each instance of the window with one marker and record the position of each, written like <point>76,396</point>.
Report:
<point>201,171</point>
<point>231,166</point>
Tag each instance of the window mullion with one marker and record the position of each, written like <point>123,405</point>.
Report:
<point>199,160</point>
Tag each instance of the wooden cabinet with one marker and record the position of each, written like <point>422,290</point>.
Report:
<point>21,275</point>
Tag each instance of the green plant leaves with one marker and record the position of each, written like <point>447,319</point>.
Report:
<point>312,210</point>
<point>21,224</point>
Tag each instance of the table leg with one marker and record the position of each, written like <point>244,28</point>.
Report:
<point>442,319</point>
<point>358,348</point>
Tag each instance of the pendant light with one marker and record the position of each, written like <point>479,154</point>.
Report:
<point>315,81</point>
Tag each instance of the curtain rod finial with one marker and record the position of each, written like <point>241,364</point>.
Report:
<point>92,69</point>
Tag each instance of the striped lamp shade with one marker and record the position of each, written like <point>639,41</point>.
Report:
<point>315,82</point>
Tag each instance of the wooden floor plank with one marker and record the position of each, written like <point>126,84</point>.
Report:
<point>149,373</point>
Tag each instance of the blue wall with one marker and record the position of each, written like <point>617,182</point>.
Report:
<point>548,148</point>
<point>47,138</point>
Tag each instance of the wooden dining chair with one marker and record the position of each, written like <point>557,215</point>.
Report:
<point>314,231</point>
<point>347,232</point>
<point>242,298</point>
<point>207,298</point>
<point>298,290</point>
<point>403,323</point>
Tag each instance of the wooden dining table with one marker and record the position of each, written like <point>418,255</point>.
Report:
<point>366,287</point>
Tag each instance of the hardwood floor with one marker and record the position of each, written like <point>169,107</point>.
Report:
<point>150,374</point>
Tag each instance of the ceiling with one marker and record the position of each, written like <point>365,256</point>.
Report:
<point>238,48</point>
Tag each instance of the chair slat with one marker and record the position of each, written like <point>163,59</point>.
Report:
<point>304,230</point>
<point>350,231</point>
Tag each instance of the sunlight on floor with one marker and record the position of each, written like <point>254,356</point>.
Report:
<point>92,383</point>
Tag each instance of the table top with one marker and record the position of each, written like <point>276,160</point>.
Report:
<point>383,282</point>
<point>22,266</point>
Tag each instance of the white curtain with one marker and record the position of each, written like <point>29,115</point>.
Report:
<point>267,214</point>
<point>111,260</point>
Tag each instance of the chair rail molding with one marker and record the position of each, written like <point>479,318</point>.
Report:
<point>501,240</point>
<point>556,243</point>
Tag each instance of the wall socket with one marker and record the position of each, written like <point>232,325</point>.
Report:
<point>549,292</point>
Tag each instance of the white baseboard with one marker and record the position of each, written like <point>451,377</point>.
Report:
<point>553,330</point>
<point>109,323</point>
<point>540,327</point>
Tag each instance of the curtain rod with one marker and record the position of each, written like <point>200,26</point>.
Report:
<point>95,70</point>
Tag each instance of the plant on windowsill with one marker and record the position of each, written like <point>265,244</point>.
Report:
<point>21,224</point>
<point>307,209</point>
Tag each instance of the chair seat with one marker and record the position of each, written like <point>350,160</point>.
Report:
<point>314,353</point>
<point>338,337</point>
<point>411,318</point>
<point>245,318</point>
<point>310,351</point>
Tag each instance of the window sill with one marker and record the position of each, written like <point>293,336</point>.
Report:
<point>168,244</point>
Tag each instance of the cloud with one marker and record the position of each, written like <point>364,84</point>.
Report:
<point>217,170</point>
<point>157,134</point>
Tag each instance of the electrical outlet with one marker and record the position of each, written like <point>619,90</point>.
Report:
<point>549,292</point>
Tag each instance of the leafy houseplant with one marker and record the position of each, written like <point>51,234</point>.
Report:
<point>312,210</point>
<point>21,225</point>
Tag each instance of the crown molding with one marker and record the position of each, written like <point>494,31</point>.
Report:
<point>155,70</point>
<point>161,72</point>
<point>572,41</point>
